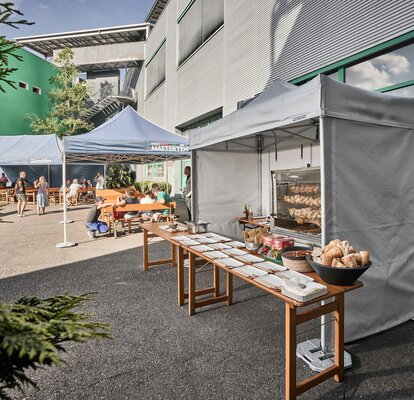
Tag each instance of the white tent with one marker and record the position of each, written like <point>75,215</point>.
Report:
<point>363,143</point>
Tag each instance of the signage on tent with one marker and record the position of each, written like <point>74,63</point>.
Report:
<point>177,148</point>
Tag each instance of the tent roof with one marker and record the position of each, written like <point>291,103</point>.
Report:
<point>126,137</point>
<point>290,111</point>
<point>30,150</point>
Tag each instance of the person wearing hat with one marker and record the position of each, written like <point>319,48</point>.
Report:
<point>93,224</point>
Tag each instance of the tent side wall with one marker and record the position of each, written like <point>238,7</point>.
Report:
<point>223,182</point>
<point>369,199</point>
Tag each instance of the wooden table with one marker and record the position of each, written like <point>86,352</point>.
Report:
<point>251,223</point>
<point>293,318</point>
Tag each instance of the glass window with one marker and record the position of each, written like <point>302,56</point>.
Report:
<point>200,21</point>
<point>156,69</point>
<point>202,122</point>
<point>333,75</point>
<point>382,71</point>
<point>155,170</point>
<point>403,92</point>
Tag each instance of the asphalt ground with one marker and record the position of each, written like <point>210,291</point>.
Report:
<point>157,350</point>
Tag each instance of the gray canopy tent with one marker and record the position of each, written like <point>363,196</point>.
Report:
<point>127,137</point>
<point>363,143</point>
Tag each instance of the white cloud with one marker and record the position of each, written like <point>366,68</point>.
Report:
<point>44,6</point>
<point>396,64</point>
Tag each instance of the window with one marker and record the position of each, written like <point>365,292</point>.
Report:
<point>24,85</point>
<point>403,92</point>
<point>155,69</point>
<point>198,22</point>
<point>155,170</point>
<point>201,122</point>
<point>388,69</point>
<point>37,90</point>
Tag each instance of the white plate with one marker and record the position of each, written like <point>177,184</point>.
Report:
<point>182,238</point>
<point>289,274</point>
<point>249,271</point>
<point>222,238</point>
<point>235,252</point>
<point>249,258</point>
<point>214,255</point>
<point>270,267</point>
<point>236,244</point>
<point>219,246</point>
<point>202,248</point>
<point>229,262</point>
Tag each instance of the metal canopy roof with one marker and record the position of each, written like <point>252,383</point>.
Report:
<point>156,10</point>
<point>46,44</point>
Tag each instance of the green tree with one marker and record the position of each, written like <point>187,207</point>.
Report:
<point>119,176</point>
<point>33,333</point>
<point>68,99</point>
<point>7,47</point>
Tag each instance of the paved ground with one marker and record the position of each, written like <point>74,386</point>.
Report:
<point>157,351</point>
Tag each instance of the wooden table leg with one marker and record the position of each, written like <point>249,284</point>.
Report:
<point>229,288</point>
<point>173,255</point>
<point>180,274</point>
<point>191,284</point>
<point>145,248</point>
<point>290,323</point>
<point>216,281</point>
<point>339,338</point>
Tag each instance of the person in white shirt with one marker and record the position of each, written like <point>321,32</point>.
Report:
<point>73,191</point>
<point>148,199</point>
<point>100,182</point>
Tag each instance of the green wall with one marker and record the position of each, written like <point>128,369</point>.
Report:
<point>15,103</point>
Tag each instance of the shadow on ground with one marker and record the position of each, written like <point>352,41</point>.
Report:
<point>159,352</point>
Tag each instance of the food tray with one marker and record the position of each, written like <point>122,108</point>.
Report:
<point>213,255</point>
<point>249,271</point>
<point>222,238</point>
<point>190,243</point>
<point>270,281</point>
<point>229,262</point>
<point>270,267</point>
<point>232,251</point>
<point>206,240</point>
<point>201,248</point>
<point>219,246</point>
<point>249,258</point>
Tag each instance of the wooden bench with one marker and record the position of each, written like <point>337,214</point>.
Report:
<point>108,213</point>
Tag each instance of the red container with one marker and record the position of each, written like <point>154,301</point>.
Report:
<point>280,242</point>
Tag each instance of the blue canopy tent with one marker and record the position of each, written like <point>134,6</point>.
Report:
<point>38,155</point>
<point>127,137</point>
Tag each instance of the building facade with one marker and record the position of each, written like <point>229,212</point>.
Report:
<point>203,57</point>
<point>32,80</point>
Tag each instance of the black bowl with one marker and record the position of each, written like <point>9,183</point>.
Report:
<point>337,276</point>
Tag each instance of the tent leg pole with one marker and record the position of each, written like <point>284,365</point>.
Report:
<point>319,353</point>
<point>65,243</point>
<point>194,192</point>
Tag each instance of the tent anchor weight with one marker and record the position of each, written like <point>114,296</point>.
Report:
<point>63,245</point>
<point>317,359</point>
<point>67,221</point>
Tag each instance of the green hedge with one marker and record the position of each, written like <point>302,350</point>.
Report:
<point>148,184</point>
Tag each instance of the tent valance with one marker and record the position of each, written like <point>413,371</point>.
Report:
<point>30,150</point>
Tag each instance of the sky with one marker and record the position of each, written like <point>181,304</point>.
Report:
<point>52,16</point>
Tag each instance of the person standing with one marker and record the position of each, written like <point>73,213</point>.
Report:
<point>99,179</point>
<point>42,200</point>
<point>21,193</point>
<point>3,180</point>
<point>187,173</point>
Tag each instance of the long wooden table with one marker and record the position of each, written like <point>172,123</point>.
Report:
<point>293,318</point>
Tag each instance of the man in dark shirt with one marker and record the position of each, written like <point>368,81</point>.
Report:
<point>21,193</point>
<point>92,222</point>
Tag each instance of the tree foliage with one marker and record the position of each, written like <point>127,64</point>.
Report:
<point>119,176</point>
<point>68,100</point>
<point>33,332</point>
<point>8,15</point>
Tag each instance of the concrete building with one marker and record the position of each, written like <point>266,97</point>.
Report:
<point>30,96</point>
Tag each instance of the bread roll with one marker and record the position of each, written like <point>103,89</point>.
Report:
<point>364,257</point>
<point>336,262</point>
<point>327,259</point>
<point>332,243</point>
<point>358,258</point>
<point>335,252</point>
<point>349,261</point>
